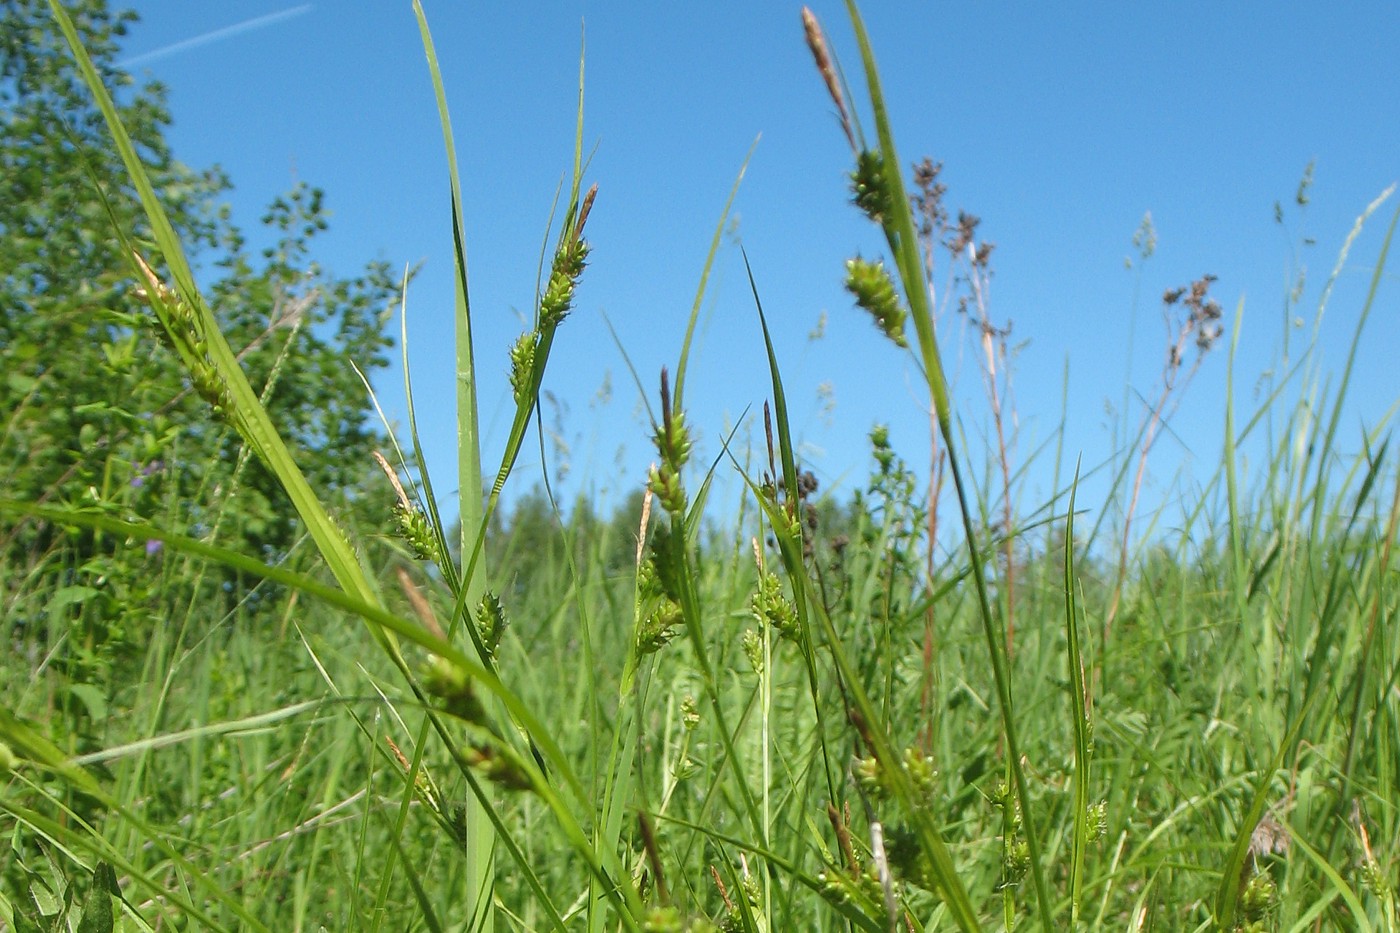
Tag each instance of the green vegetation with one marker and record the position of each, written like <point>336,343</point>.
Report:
<point>254,685</point>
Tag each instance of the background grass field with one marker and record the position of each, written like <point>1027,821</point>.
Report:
<point>893,711</point>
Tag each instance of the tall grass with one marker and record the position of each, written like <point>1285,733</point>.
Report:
<point>727,730</point>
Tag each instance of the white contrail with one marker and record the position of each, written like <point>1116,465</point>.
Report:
<point>256,22</point>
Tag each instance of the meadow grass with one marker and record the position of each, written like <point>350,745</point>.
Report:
<point>792,718</point>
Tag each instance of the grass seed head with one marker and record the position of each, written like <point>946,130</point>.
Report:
<point>569,261</point>
<point>660,613</point>
<point>753,650</point>
<point>1257,900</point>
<point>816,42</point>
<point>875,293</point>
<point>673,443</point>
<point>414,528</point>
<point>452,685</point>
<point>870,188</point>
<point>770,606</point>
<point>522,364</point>
<point>499,767</point>
<point>491,622</point>
<point>1097,821</point>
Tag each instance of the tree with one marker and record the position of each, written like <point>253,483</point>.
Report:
<point>96,411</point>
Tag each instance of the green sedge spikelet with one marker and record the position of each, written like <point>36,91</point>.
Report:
<point>665,484</point>
<point>413,527</point>
<point>870,775</point>
<point>498,765</point>
<point>1096,821</point>
<point>563,279</point>
<point>771,606</point>
<point>1016,860</point>
<point>672,438</point>
<point>922,774</point>
<point>564,272</point>
<point>522,364</point>
<point>411,521</point>
<point>659,612</point>
<point>180,329</point>
<point>907,858</point>
<point>869,186</point>
<point>673,445</point>
<point>452,685</point>
<point>874,292</point>
<point>491,622</point>
<point>1258,899</point>
<point>690,713</point>
<point>861,886</point>
<point>753,650</point>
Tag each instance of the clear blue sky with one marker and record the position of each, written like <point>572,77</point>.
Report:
<point>1060,125</point>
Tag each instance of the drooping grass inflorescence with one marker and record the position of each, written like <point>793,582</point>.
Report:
<point>875,293</point>
<point>181,329</point>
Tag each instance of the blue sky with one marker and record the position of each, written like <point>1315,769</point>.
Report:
<point>1060,125</point>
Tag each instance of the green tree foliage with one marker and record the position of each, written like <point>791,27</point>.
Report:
<point>94,411</point>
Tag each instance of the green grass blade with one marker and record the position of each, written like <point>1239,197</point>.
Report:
<point>1356,910</point>
<point>1231,876</point>
<point>480,852</point>
<point>1079,697</point>
<point>1329,434</point>
<point>788,529</point>
<point>875,731</point>
<point>715,240</point>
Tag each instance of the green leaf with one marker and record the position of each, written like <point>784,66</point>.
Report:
<point>97,907</point>
<point>93,698</point>
<point>70,596</point>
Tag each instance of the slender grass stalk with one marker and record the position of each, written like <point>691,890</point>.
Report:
<point>898,225</point>
<point>1079,706</point>
<point>684,515</point>
<point>787,528</point>
<point>480,847</point>
<point>1236,517</point>
<point>868,722</point>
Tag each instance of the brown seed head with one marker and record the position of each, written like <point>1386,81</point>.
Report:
<point>817,43</point>
<point>584,209</point>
